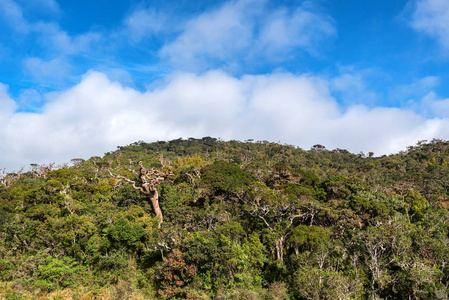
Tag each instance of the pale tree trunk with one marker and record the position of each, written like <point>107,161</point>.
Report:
<point>280,248</point>
<point>148,181</point>
<point>154,198</point>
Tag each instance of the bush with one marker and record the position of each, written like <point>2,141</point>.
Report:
<point>60,273</point>
<point>226,177</point>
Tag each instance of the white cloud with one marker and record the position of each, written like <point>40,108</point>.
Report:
<point>441,107</point>
<point>380,130</point>
<point>247,29</point>
<point>119,75</point>
<point>30,99</point>
<point>209,102</point>
<point>432,18</point>
<point>285,30</point>
<point>144,23</point>
<point>352,89</point>
<point>415,90</point>
<point>59,47</point>
<point>55,68</point>
<point>7,105</point>
<point>420,97</point>
<point>286,107</point>
<point>7,109</point>
<point>219,34</point>
<point>98,114</point>
<point>348,81</point>
<point>60,42</point>
<point>12,14</point>
<point>435,106</point>
<point>50,36</point>
<point>95,114</point>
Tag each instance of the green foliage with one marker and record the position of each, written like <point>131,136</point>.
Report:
<point>296,191</point>
<point>125,234</point>
<point>309,236</point>
<point>226,177</point>
<point>242,220</point>
<point>417,204</point>
<point>60,273</point>
<point>316,283</point>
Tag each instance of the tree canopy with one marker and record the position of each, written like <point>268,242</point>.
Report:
<point>242,220</point>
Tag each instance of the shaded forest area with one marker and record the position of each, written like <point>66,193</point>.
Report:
<point>241,220</point>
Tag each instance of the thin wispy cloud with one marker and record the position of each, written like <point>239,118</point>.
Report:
<point>247,30</point>
<point>12,16</point>
<point>40,69</point>
<point>55,40</point>
<point>431,17</point>
<point>287,30</point>
<point>145,23</point>
<point>218,35</point>
<point>411,92</point>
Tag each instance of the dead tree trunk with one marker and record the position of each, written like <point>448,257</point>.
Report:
<point>148,181</point>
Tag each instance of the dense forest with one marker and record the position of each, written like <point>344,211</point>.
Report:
<point>237,220</point>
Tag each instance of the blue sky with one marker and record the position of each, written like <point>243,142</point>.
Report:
<point>78,78</point>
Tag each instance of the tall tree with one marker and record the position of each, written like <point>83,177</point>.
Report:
<point>147,186</point>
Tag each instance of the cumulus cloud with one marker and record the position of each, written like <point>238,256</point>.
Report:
<point>7,105</point>
<point>431,17</point>
<point>98,114</point>
<point>247,29</point>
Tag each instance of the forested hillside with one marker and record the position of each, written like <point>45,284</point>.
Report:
<point>239,220</point>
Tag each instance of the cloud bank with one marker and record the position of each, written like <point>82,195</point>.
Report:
<point>98,114</point>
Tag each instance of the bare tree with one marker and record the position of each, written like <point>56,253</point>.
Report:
<point>41,171</point>
<point>4,177</point>
<point>147,186</point>
<point>7,178</point>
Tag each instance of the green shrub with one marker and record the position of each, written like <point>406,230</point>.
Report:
<point>226,177</point>
<point>60,273</point>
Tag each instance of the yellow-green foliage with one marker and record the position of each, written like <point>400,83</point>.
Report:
<point>252,220</point>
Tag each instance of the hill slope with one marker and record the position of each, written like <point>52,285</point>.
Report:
<point>241,220</point>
